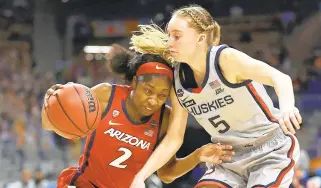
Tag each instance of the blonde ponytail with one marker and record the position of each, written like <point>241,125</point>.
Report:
<point>151,39</point>
<point>216,34</point>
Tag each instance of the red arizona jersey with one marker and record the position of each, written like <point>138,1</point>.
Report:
<point>119,147</point>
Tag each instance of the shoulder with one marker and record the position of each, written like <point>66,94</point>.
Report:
<point>233,55</point>
<point>228,53</point>
<point>215,53</point>
<point>230,59</point>
<point>102,91</point>
<point>218,49</point>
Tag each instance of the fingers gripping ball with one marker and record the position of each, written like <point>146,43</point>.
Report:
<point>73,111</point>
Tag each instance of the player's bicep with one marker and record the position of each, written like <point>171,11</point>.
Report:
<point>102,92</point>
<point>244,67</point>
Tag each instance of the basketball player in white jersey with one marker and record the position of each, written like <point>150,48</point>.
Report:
<point>223,89</point>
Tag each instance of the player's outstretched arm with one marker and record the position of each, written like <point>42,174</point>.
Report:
<point>169,145</point>
<point>211,153</point>
<point>44,117</point>
<point>237,66</point>
<point>102,92</point>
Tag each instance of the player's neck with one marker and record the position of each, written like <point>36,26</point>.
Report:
<point>198,65</point>
<point>134,114</point>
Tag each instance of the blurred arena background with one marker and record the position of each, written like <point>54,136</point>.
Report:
<point>43,42</point>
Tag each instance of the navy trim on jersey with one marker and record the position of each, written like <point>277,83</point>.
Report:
<point>219,72</point>
<point>207,67</point>
<point>179,101</point>
<point>110,101</point>
<point>215,181</point>
<point>86,163</point>
<point>129,119</point>
<point>160,125</point>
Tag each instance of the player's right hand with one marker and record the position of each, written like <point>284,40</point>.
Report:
<point>51,91</point>
<point>215,153</point>
<point>138,182</point>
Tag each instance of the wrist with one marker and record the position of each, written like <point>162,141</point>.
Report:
<point>197,155</point>
<point>142,175</point>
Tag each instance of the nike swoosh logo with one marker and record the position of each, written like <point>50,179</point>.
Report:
<point>112,123</point>
<point>160,68</point>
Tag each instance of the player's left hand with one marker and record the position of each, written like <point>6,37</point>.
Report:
<point>290,120</point>
<point>215,153</point>
<point>138,182</point>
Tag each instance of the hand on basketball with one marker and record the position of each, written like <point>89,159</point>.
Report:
<point>51,91</point>
<point>215,153</point>
<point>290,120</point>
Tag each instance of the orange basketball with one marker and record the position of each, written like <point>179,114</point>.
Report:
<point>74,111</point>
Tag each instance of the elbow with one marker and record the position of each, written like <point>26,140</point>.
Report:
<point>287,78</point>
<point>282,79</point>
<point>45,121</point>
<point>46,126</point>
<point>164,176</point>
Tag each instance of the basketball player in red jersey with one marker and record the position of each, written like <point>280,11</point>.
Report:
<point>133,120</point>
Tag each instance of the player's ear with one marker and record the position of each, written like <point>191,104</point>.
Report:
<point>201,38</point>
<point>134,83</point>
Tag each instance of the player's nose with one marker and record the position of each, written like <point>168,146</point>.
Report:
<point>170,42</point>
<point>152,102</point>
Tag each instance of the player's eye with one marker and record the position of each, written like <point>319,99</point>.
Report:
<point>162,96</point>
<point>148,91</point>
<point>175,37</point>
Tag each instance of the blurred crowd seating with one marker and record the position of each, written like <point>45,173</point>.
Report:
<point>21,91</point>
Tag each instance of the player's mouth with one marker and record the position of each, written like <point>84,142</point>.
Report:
<point>148,109</point>
<point>173,52</point>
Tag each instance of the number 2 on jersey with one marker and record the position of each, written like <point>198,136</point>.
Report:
<point>117,162</point>
<point>218,123</point>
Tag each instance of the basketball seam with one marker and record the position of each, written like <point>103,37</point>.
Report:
<point>83,107</point>
<point>96,113</point>
<point>58,127</point>
<point>68,116</point>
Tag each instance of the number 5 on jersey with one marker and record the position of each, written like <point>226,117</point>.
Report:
<point>219,123</point>
<point>124,157</point>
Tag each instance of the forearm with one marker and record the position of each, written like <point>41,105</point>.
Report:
<point>162,154</point>
<point>284,89</point>
<point>45,121</point>
<point>178,167</point>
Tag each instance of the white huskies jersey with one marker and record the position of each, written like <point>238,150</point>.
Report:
<point>230,113</point>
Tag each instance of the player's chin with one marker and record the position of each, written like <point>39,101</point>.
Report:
<point>180,58</point>
<point>147,111</point>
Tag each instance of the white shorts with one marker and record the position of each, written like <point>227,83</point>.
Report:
<point>267,165</point>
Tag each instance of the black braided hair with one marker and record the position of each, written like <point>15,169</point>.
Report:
<point>126,63</point>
